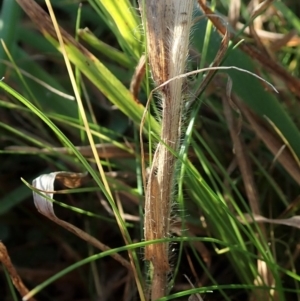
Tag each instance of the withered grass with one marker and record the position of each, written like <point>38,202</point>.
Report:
<point>167,26</point>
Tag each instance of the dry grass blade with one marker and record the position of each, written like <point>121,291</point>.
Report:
<point>194,297</point>
<point>256,12</point>
<point>72,179</point>
<point>240,150</point>
<point>293,221</point>
<point>260,8</point>
<point>104,150</point>
<point>137,77</point>
<point>289,39</point>
<point>44,23</point>
<point>286,158</point>
<point>15,278</point>
<point>45,184</point>
<point>234,12</point>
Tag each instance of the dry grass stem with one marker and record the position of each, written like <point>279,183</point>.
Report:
<point>167,27</point>
<point>15,278</point>
<point>264,274</point>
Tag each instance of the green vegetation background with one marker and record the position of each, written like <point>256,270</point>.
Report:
<point>38,111</point>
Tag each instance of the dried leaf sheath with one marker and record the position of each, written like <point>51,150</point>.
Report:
<point>168,24</point>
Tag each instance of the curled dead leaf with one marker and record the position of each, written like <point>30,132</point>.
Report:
<point>45,184</point>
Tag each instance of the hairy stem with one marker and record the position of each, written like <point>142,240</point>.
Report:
<point>168,24</point>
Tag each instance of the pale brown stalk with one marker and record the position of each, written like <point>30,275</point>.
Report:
<point>167,24</point>
<point>14,276</point>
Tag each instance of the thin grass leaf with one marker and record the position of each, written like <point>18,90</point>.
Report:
<point>123,21</point>
<point>293,221</point>
<point>109,51</point>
